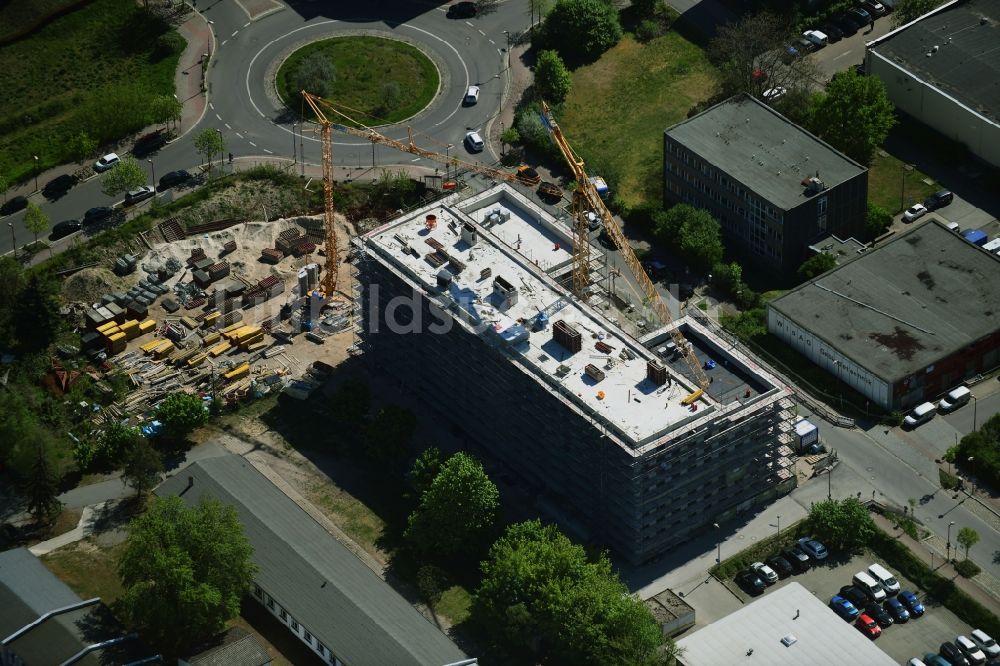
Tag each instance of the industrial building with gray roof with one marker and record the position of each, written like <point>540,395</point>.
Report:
<point>322,591</point>
<point>915,316</point>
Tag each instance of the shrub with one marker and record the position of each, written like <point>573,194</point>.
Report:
<point>647,30</point>
<point>759,551</point>
<point>967,568</point>
<point>948,481</point>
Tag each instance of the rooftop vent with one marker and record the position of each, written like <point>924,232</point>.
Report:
<point>567,336</point>
<point>505,291</point>
<point>444,278</point>
<point>469,234</point>
<point>789,640</point>
<point>813,185</point>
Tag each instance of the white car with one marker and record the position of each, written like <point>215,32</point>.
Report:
<point>970,650</point>
<point>915,662</point>
<point>914,212</point>
<point>106,162</point>
<point>139,194</point>
<point>818,38</point>
<point>985,643</point>
<point>471,96</point>
<point>774,93</point>
<point>765,572</point>
<point>474,142</point>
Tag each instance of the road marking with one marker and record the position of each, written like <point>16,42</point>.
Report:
<point>211,106</point>
<point>247,24</point>
<point>269,152</point>
<point>223,42</point>
<point>239,135</point>
<point>493,43</point>
<point>415,159</point>
<point>219,117</point>
<point>841,55</point>
<point>482,33</point>
<point>235,33</point>
<point>228,127</point>
<point>253,144</point>
<point>469,24</point>
<point>499,51</point>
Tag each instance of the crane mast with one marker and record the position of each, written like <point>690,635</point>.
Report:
<point>329,282</point>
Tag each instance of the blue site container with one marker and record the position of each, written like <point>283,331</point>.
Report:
<point>975,236</point>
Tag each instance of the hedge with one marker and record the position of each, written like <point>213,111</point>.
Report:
<point>760,551</point>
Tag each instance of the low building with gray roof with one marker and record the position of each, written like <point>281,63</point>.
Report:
<point>900,323</point>
<point>309,580</point>
<point>944,70</point>
<point>774,187</point>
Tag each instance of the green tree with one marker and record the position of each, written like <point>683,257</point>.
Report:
<point>209,143</point>
<point>127,175</point>
<point>184,571</point>
<point>41,486</point>
<point>388,434</point>
<point>817,265</point>
<point>538,9</point>
<point>699,239</point>
<point>36,313</point>
<point>843,523</point>
<point>544,600</point>
<point>4,186</point>
<point>908,10</point>
<point>581,30</point>
<point>510,136</point>
<point>351,402</point>
<point>165,108</point>
<point>552,79</point>
<point>457,515</point>
<point>854,115</point>
<point>180,414</point>
<point>143,465</point>
<point>727,278</point>
<point>35,219</point>
<point>315,74</point>
<point>391,94</point>
<point>967,538</point>
<point>877,220</point>
<point>12,278</point>
<point>82,146</point>
<point>746,325</point>
<point>114,444</point>
<point>425,470</point>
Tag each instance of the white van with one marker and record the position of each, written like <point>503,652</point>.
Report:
<point>884,578</point>
<point>869,586</point>
<point>816,37</point>
<point>922,413</point>
<point>955,399</point>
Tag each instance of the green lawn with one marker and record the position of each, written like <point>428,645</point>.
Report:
<point>19,15</point>
<point>363,68</point>
<point>94,70</point>
<point>888,180</point>
<point>454,604</point>
<point>88,569</point>
<point>619,106</point>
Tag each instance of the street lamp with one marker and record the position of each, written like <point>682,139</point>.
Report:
<point>36,172</point>
<point>447,156</point>
<point>779,526</point>
<point>219,132</point>
<point>902,184</point>
<point>295,156</point>
<point>718,556</point>
<point>972,478</point>
<point>506,34</point>
<point>13,241</point>
<point>949,539</point>
<point>975,408</point>
<point>152,170</point>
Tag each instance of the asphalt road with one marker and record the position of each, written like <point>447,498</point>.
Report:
<point>244,107</point>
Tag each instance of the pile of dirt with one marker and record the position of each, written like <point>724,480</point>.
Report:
<point>91,283</point>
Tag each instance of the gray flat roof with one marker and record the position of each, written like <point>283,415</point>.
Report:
<point>313,576</point>
<point>820,637</point>
<point>966,65</point>
<point>902,306</point>
<point>763,150</point>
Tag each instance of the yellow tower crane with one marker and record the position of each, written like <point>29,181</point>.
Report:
<point>586,199</point>
<point>329,282</point>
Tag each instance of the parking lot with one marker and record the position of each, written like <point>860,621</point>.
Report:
<point>900,641</point>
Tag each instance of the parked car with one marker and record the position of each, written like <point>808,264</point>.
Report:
<point>932,659</point>
<point>844,608</point>
<point>65,228</point>
<point>955,399</point>
<point>817,37</point>
<point>766,573</point>
<point>875,611</point>
<point>897,610</point>
<point>860,16</point>
<point>139,194</point>
<point>813,548</point>
<point>939,199</point>
<point>855,595</point>
<point>173,178</point>
<point>922,413</point>
<point>751,582</point>
<point>874,7</point>
<point>58,186</point>
<point>462,10</point>
<point>914,213</point>
<point>471,96</point>
<point>868,626</point>
<point>832,30</point>
<point>845,23</point>
<point>915,661</point>
<point>953,654</point>
<point>106,162</point>
<point>474,142</point>
<point>985,643</point>
<point>797,558</point>
<point>97,214</point>
<point>885,578</point>
<point>774,93</point>
<point>782,566</point>
<point>148,143</point>
<point>13,205</point>
<point>970,650</point>
<point>912,603</point>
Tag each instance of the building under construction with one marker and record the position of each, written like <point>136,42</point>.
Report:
<point>464,305</point>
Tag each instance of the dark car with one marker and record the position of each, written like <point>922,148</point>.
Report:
<point>859,16</point>
<point>149,143</point>
<point>844,608</point>
<point>912,603</point>
<point>896,610</point>
<point>14,205</point>
<point>832,31</point>
<point>845,23</point>
<point>58,186</point>
<point>751,582</point>
<point>462,10</point>
<point>932,659</point>
<point>854,595</point>
<point>65,228</point>
<point>953,654</point>
<point>782,566</point>
<point>939,199</point>
<point>798,559</point>
<point>874,7</point>
<point>97,214</point>
<point>168,180</point>
<point>875,611</point>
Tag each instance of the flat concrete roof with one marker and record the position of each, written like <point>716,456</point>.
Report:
<point>902,306</point>
<point>955,49</point>
<point>842,249</point>
<point>518,250</point>
<point>816,635</point>
<point>758,147</point>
